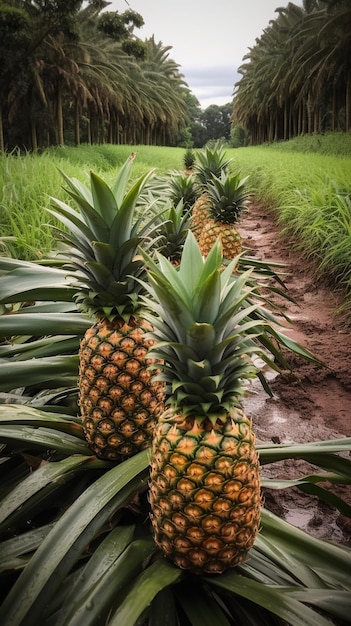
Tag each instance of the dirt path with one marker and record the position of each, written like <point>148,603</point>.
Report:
<point>316,403</point>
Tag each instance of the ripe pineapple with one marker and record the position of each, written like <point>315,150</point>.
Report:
<point>119,403</point>
<point>200,215</point>
<point>227,198</point>
<point>210,162</point>
<point>204,487</point>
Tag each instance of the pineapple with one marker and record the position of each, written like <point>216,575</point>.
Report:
<point>119,403</point>
<point>209,163</point>
<point>204,487</point>
<point>227,198</point>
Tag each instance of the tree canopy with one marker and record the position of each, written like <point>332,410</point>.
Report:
<point>72,71</point>
<point>297,77</point>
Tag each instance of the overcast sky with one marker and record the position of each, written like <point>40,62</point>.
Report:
<point>208,37</point>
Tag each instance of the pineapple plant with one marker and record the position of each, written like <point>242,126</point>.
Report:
<point>119,404</point>
<point>209,163</point>
<point>204,487</point>
<point>172,231</point>
<point>181,187</point>
<point>227,199</point>
<point>189,160</point>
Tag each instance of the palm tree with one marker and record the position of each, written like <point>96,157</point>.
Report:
<point>297,76</point>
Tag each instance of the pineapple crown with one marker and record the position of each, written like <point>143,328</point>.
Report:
<point>172,231</point>
<point>227,197</point>
<point>204,334</point>
<point>209,162</point>
<point>182,187</point>
<point>100,243</point>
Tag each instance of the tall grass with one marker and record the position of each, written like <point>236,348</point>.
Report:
<point>311,196</point>
<point>309,191</point>
<point>337,144</point>
<point>27,183</point>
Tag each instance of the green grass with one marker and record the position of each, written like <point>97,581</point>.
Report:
<point>311,196</point>
<point>27,183</point>
<point>337,144</point>
<point>306,182</point>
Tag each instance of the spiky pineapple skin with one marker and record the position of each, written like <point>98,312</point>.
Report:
<point>205,491</point>
<point>200,216</point>
<point>230,239</point>
<point>119,402</point>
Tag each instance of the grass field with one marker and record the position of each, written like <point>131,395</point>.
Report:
<point>305,181</point>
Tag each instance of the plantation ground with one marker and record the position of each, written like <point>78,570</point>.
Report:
<point>315,403</point>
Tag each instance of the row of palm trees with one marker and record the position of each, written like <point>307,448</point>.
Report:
<point>297,77</point>
<point>73,72</point>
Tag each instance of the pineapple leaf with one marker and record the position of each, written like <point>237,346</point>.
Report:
<point>200,337</point>
<point>29,488</point>
<point>201,608</point>
<point>191,258</point>
<point>119,186</point>
<point>32,282</point>
<point>55,369</point>
<point>147,585</point>
<point>77,188</point>
<point>43,438</point>
<point>50,564</point>
<point>98,228</point>
<point>272,598</point>
<point>38,325</point>
<point>104,201</point>
<point>205,299</point>
<point>103,253</point>
<point>70,218</point>
<point>121,227</point>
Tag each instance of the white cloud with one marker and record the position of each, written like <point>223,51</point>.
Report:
<point>211,38</point>
<point>211,84</point>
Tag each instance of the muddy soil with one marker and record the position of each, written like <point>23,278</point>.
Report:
<point>315,403</point>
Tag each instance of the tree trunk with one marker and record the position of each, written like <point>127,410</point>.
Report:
<point>348,102</point>
<point>34,138</point>
<point>59,116</point>
<point>2,143</point>
<point>76,123</point>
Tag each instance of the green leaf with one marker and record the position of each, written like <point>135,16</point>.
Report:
<point>38,324</point>
<point>145,587</point>
<point>64,545</point>
<point>121,228</point>
<point>22,495</point>
<point>333,601</point>
<point>35,283</point>
<point>330,561</point>
<point>103,199</point>
<point>13,414</point>
<point>307,485</point>
<point>93,604</point>
<point>200,607</point>
<point>27,438</point>
<point>163,610</point>
<point>16,551</point>
<point>272,598</point>
<point>60,369</point>
<point>48,346</point>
